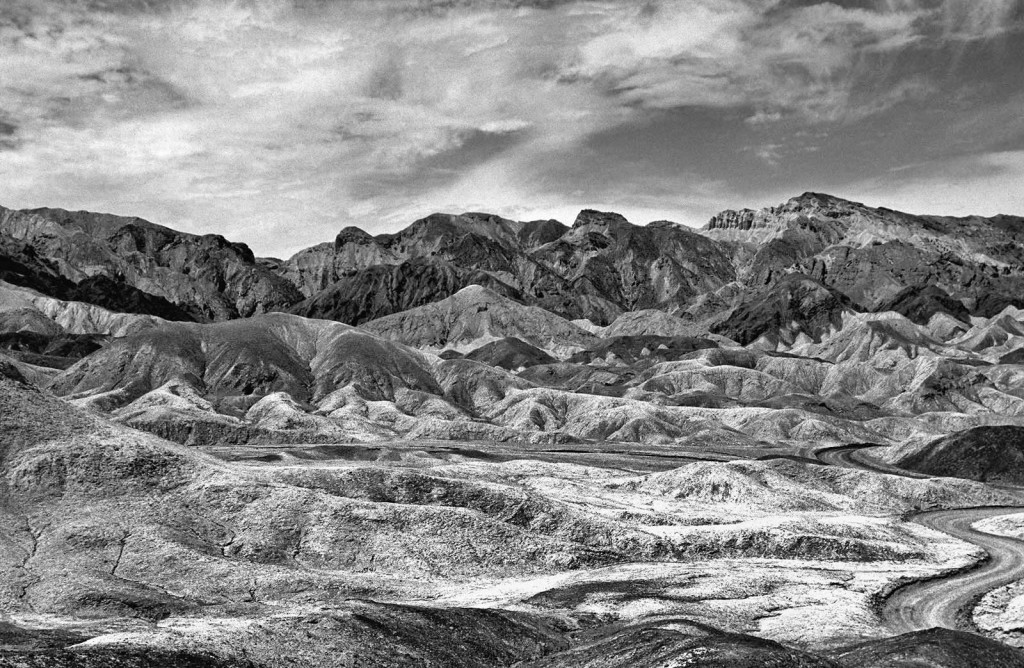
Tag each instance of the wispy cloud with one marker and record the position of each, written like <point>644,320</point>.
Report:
<point>985,184</point>
<point>277,121</point>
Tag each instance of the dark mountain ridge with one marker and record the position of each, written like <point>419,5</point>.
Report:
<point>148,267</point>
<point>726,277</point>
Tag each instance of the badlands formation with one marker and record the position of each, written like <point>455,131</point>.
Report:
<point>792,438</point>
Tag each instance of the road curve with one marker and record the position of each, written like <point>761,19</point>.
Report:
<point>848,456</point>
<point>948,601</point>
<point>944,601</point>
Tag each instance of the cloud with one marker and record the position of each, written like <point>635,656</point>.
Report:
<point>278,121</point>
<point>768,153</point>
<point>986,184</point>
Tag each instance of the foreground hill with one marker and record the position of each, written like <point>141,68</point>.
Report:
<point>934,647</point>
<point>106,528</point>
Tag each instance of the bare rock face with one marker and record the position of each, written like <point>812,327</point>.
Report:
<point>636,267</point>
<point>22,266</point>
<point>599,268</point>
<point>205,277</point>
<point>872,254</point>
<point>795,305</point>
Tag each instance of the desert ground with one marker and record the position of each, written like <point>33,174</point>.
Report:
<point>767,442</point>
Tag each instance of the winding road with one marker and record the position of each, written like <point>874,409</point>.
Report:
<point>947,600</point>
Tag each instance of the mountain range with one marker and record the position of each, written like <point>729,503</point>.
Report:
<point>599,268</point>
<point>479,441</point>
<point>816,319</point>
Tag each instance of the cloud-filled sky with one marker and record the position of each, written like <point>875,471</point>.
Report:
<point>278,122</point>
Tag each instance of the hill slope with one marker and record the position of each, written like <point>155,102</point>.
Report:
<point>475,316</point>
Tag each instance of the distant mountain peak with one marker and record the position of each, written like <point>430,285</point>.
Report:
<point>821,198</point>
<point>609,219</point>
<point>352,235</point>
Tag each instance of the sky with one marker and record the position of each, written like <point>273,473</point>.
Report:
<point>279,122</point>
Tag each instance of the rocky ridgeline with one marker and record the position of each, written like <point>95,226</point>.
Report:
<point>841,323</point>
<point>598,269</point>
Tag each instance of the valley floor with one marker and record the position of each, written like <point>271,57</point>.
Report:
<point>774,543</point>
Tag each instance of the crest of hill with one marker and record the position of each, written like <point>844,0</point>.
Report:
<point>599,269</point>
<point>22,266</point>
<point>22,309</point>
<point>510,353</point>
<point>833,220</point>
<point>921,303</point>
<point>932,647</point>
<point>861,337</point>
<point>475,316</point>
<point>1003,332</point>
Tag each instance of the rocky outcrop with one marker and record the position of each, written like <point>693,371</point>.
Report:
<point>20,265</point>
